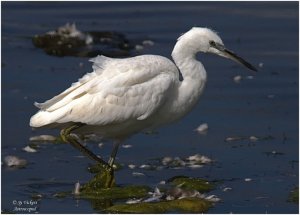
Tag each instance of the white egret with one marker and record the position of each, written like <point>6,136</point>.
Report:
<point>124,96</point>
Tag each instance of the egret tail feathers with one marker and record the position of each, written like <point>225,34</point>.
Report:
<point>43,118</point>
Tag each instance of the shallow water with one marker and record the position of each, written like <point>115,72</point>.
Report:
<point>265,33</point>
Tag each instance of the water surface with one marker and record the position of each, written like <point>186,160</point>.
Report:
<point>265,33</point>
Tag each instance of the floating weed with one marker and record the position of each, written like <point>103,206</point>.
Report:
<point>189,205</point>
<point>191,183</point>
<point>115,193</point>
<point>68,40</point>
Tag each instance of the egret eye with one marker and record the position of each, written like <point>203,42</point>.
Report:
<point>212,43</point>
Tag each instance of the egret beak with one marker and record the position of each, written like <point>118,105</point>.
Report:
<point>219,49</point>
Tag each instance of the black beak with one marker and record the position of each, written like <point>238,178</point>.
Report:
<point>238,59</point>
<point>229,54</point>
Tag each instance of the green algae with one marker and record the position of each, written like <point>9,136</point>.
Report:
<point>294,195</point>
<point>103,186</point>
<point>103,179</point>
<point>191,183</point>
<point>188,205</point>
<point>96,168</point>
<point>116,193</point>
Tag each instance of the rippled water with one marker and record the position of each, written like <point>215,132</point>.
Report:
<point>265,33</point>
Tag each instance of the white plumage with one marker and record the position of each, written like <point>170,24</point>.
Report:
<point>124,96</point>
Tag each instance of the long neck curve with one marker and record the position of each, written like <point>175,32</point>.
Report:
<point>194,76</point>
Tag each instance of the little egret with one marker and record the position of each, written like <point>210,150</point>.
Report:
<point>124,96</point>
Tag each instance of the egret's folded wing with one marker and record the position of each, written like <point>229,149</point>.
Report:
<point>132,88</point>
<point>63,98</point>
<point>135,89</point>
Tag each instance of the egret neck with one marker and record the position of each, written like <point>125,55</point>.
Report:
<point>193,73</point>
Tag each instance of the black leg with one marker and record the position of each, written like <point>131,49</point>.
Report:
<point>74,141</point>
<point>113,153</point>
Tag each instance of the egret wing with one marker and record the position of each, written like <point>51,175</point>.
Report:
<point>135,89</point>
<point>118,90</point>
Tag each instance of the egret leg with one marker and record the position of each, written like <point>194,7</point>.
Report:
<point>68,137</point>
<point>74,141</point>
<point>114,153</point>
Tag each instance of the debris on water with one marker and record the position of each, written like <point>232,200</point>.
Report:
<point>138,174</point>
<point>14,161</point>
<point>117,166</point>
<point>179,193</point>
<point>202,129</point>
<point>253,138</point>
<point>43,138</point>
<point>178,162</point>
<point>77,188</point>
<point>139,47</point>
<point>237,79</point>
<point>133,201</point>
<point>60,195</point>
<point>213,198</point>
<point>131,166</point>
<point>236,138</point>
<point>100,145</point>
<point>261,65</point>
<point>145,166</point>
<point>162,182</point>
<point>68,40</point>
<point>193,161</point>
<point>199,159</point>
<point>155,196</point>
<point>166,160</point>
<point>195,166</point>
<point>148,43</point>
<point>126,146</point>
<point>29,149</point>
<point>247,179</point>
<point>227,189</point>
<point>171,197</point>
<point>274,153</point>
<point>69,30</point>
<point>156,192</point>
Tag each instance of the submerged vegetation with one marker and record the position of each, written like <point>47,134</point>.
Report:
<point>67,40</point>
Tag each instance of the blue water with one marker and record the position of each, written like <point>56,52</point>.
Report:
<point>265,33</point>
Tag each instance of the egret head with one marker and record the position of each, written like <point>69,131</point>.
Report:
<point>207,41</point>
